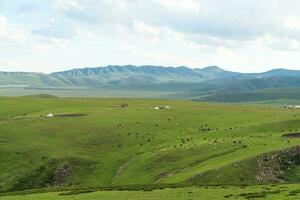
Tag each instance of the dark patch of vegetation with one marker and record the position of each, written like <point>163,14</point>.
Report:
<point>70,115</point>
<point>228,196</point>
<point>275,167</point>
<point>252,195</point>
<point>41,177</point>
<point>292,135</point>
<point>294,193</point>
<point>261,194</point>
<point>75,192</point>
<point>45,96</point>
<point>53,173</point>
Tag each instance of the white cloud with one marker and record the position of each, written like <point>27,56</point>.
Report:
<point>228,53</point>
<point>191,32</point>
<point>3,22</point>
<point>11,32</point>
<point>7,64</point>
<point>143,28</point>
<point>180,5</point>
<point>292,22</point>
<point>67,4</point>
<point>276,43</point>
<point>41,48</point>
<point>157,58</point>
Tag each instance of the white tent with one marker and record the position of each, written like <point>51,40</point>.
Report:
<point>50,115</point>
<point>156,108</point>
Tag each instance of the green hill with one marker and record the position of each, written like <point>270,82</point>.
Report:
<point>250,97</point>
<point>99,142</point>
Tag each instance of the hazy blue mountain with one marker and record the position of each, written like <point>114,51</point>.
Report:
<point>280,72</point>
<point>29,79</point>
<point>155,72</point>
<point>133,76</point>
<point>215,72</point>
<point>127,70</point>
<point>253,84</point>
<point>129,75</point>
<point>191,83</point>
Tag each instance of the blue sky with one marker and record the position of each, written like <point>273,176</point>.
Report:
<point>245,36</point>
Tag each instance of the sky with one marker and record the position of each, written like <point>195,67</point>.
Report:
<point>237,35</point>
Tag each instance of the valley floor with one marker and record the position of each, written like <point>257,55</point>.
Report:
<point>269,192</point>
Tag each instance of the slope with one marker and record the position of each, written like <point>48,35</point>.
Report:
<point>97,142</point>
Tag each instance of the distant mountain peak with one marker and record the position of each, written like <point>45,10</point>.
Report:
<point>281,72</point>
<point>213,68</point>
<point>213,72</point>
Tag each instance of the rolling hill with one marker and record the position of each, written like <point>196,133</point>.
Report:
<point>99,147</point>
<point>209,84</point>
<point>118,76</point>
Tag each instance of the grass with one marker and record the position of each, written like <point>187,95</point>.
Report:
<point>270,192</point>
<point>87,92</point>
<point>99,143</point>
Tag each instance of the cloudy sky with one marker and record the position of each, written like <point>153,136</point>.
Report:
<point>246,36</point>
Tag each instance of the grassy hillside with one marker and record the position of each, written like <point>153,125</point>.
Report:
<point>259,95</point>
<point>249,97</point>
<point>94,142</point>
<point>84,92</point>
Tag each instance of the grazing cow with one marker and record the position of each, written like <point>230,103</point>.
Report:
<point>124,105</point>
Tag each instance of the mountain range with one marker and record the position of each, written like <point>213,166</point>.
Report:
<point>210,83</point>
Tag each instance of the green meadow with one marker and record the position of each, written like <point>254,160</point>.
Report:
<point>270,192</point>
<point>126,149</point>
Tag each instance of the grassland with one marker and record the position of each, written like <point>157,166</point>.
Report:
<point>98,143</point>
<point>270,192</point>
<point>86,92</point>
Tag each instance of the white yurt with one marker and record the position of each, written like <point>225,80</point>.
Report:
<point>50,115</point>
